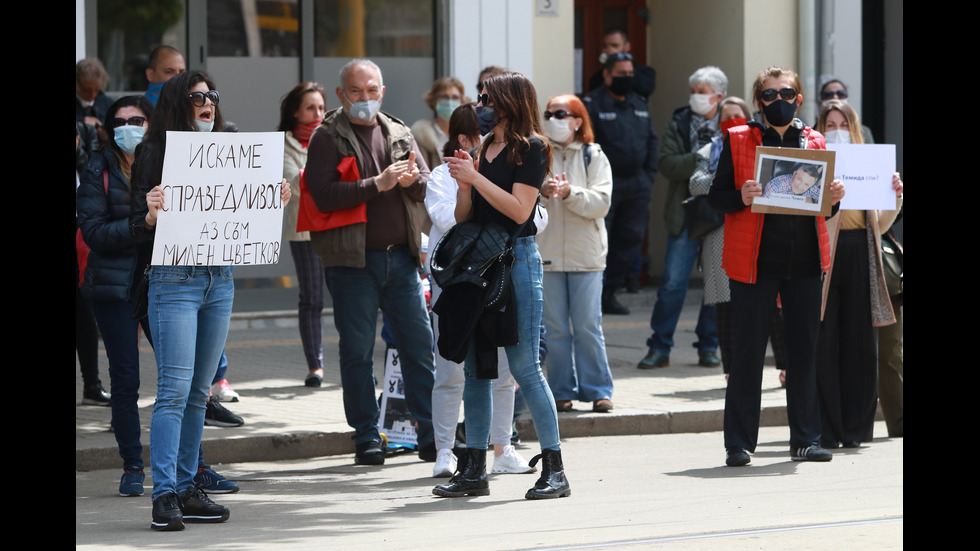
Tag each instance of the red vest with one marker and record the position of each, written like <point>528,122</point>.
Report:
<point>743,229</point>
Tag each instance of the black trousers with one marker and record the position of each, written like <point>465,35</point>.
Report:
<point>752,306</point>
<point>847,354</point>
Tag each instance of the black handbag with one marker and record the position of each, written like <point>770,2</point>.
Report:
<point>700,218</point>
<point>892,257</point>
<point>480,254</point>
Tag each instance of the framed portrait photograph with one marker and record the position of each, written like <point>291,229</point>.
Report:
<point>794,181</point>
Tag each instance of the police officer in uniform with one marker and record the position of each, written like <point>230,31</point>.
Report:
<point>622,125</point>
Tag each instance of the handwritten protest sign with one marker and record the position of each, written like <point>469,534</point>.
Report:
<point>222,199</point>
<point>866,170</point>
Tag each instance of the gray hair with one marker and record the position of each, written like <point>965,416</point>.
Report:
<point>712,76</point>
<point>91,69</point>
<point>357,63</point>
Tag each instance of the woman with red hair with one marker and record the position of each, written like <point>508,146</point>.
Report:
<point>577,195</point>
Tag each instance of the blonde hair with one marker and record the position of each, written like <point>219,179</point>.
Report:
<point>850,115</point>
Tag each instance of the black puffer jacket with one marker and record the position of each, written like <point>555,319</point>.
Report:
<point>103,216</point>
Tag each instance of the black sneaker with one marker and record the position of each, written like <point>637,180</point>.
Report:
<point>812,452</point>
<point>369,453</point>
<point>166,514</point>
<point>197,507</point>
<point>95,395</point>
<point>218,415</point>
<point>737,457</point>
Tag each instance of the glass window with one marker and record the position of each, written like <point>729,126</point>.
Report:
<point>373,28</point>
<point>253,28</point>
<point>128,31</point>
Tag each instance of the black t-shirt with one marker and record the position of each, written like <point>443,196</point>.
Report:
<point>531,172</point>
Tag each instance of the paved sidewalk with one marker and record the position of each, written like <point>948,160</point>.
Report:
<point>285,420</point>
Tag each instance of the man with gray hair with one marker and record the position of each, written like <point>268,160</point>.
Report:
<point>691,128</point>
<point>374,264</point>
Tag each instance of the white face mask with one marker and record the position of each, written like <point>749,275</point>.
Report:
<point>838,136</point>
<point>559,131</point>
<point>204,126</point>
<point>701,103</point>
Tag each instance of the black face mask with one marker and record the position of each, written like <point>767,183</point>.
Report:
<point>486,117</point>
<point>620,85</point>
<point>779,112</point>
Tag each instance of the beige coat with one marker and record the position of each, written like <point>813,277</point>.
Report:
<point>294,160</point>
<point>575,240</point>
<point>877,223</point>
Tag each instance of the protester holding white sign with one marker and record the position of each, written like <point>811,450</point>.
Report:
<point>189,304</point>
<point>856,299</point>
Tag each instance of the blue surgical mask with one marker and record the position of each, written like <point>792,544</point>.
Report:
<point>153,92</point>
<point>204,126</point>
<point>445,108</point>
<point>127,137</point>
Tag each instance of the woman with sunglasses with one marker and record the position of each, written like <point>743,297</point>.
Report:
<point>577,195</point>
<point>766,256</point>
<point>834,89</point>
<point>503,189</point>
<point>115,261</point>
<point>189,311</point>
<point>856,303</point>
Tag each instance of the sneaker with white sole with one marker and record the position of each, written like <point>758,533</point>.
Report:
<point>217,415</point>
<point>445,464</point>
<point>510,462</point>
<point>223,390</point>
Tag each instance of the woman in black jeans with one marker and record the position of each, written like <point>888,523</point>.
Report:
<point>766,256</point>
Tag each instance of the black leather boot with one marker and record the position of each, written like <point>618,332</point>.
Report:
<point>470,478</point>
<point>552,482</point>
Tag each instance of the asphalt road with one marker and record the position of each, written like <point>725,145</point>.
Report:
<point>668,491</point>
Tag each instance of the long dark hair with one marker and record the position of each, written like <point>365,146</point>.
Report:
<point>175,112</point>
<point>463,121</point>
<point>516,104</point>
<point>292,100</point>
<point>139,102</point>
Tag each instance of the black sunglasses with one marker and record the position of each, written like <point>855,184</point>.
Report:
<point>788,94</point>
<point>483,99</point>
<point>830,94</point>
<point>559,114</point>
<point>197,98</point>
<point>131,121</point>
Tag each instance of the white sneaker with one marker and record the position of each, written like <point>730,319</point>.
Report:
<point>510,462</point>
<point>445,464</point>
<point>222,389</point>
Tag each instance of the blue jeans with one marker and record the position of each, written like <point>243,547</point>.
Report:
<point>120,333</point>
<point>681,255</point>
<point>577,364</point>
<point>389,280</point>
<point>526,277</point>
<point>189,313</point>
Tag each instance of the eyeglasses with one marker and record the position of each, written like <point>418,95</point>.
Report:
<point>131,121</point>
<point>619,56</point>
<point>830,94</point>
<point>197,98</point>
<point>483,99</point>
<point>559,114</point>
<point>788,94</point>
